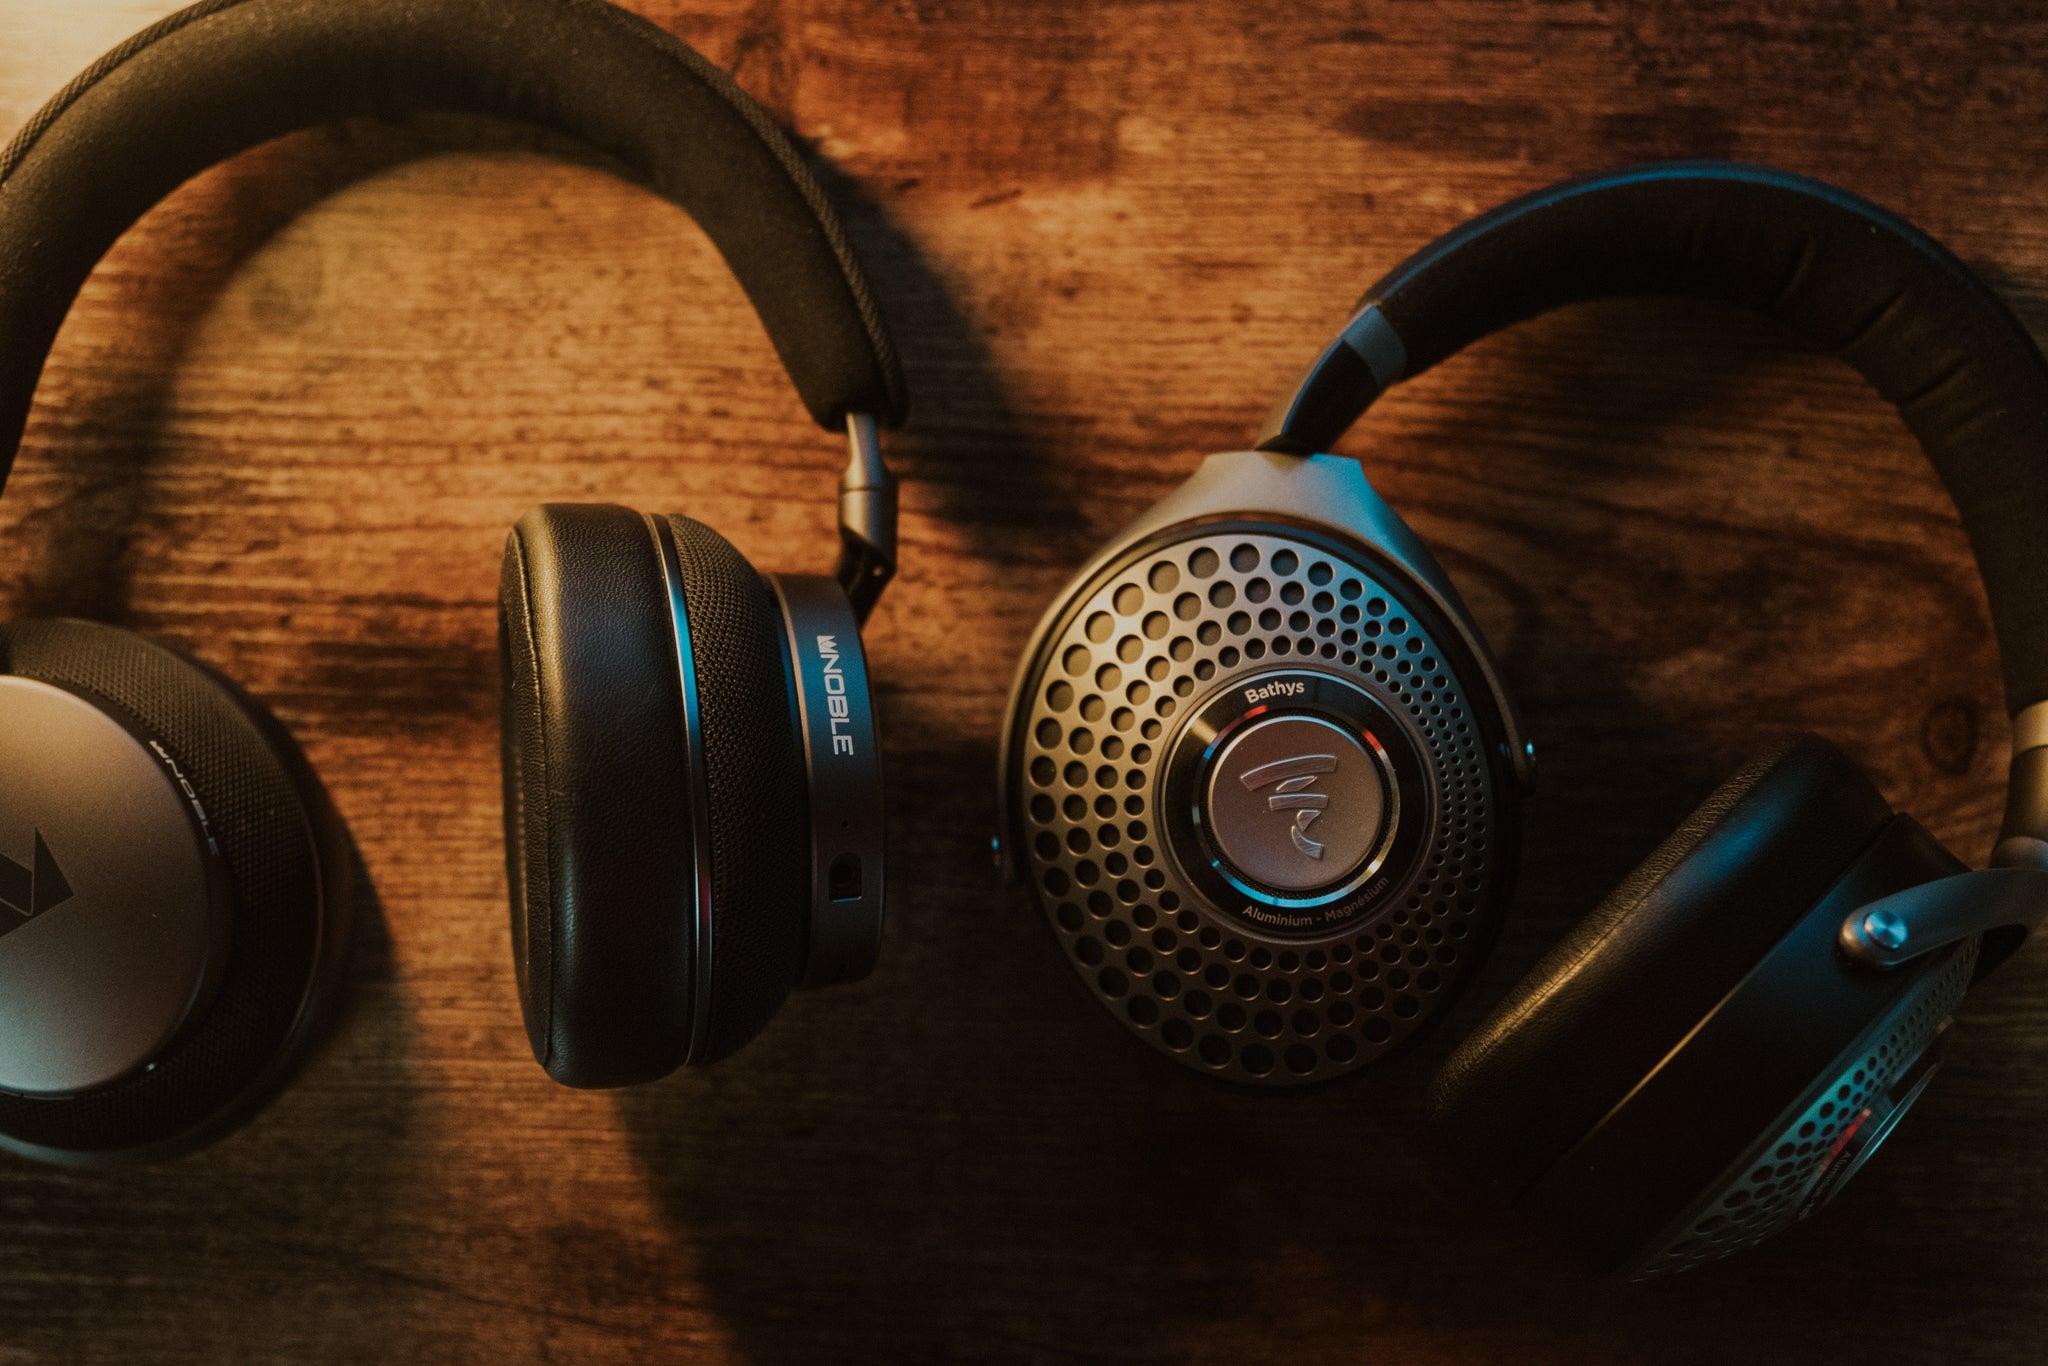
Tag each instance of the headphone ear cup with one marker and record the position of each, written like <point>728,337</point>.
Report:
<point>650,755</point>
<point>1634,978</point>
<point>250,807</point>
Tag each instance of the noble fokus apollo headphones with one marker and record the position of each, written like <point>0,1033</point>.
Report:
<point>1262,774</point>
<point>692,801</point>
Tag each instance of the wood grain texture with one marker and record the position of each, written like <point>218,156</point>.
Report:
<point>296,409</point>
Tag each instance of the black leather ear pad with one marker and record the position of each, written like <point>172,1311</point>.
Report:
<point>755,779</point>
<point>290,885</point>
<point>597,797</point>
<point>1605,1006</point>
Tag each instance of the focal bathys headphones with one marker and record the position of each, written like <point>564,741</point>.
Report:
<point>691,794</point>
<point>1263,775</point>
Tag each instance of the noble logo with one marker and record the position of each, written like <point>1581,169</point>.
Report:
<point>838,714</point>
<point>28,891</point>
<point>1295,777</point>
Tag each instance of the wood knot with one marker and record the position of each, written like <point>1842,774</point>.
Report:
<point>1948,737</point>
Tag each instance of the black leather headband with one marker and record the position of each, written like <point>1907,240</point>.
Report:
<point>1854,280</point>
<point>225,75</point>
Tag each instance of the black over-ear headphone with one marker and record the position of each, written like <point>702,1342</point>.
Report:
<point>693,807</point>
<point>1262,773</point>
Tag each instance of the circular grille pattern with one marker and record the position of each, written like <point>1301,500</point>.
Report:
<point>1771,1188</point>
<point>1150,642</point>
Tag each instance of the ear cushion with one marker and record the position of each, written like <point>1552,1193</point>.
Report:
<point>754,774</point>
<point>597,799</point>
<point>289,878</point>
<point>1604,1006</point>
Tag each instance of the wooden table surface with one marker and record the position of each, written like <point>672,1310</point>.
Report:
<point>296,409</point>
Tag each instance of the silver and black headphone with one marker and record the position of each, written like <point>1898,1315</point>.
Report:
<point>692,796</point>
<point>1263,776</point>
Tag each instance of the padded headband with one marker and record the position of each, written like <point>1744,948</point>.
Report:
<point>224,75</point>
<point>1854,280</point>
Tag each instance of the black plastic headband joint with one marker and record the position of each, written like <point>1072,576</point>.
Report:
<point>1358,365</point>
<point>867,518</point>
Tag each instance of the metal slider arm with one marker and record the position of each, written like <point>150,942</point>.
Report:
<point>867,518</point>
<point>2004,905</point>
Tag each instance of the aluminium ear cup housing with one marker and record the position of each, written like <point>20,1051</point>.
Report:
<point>181,929</point>
<point>1261,776</point>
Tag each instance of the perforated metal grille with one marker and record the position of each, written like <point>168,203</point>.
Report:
<point>1769,1190</point>
<point>1149,645</point>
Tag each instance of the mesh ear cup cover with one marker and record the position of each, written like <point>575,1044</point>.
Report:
<point>284,879</point>
<point>1605,1005</point>
<point>755,783</point>
<point>601,804</point>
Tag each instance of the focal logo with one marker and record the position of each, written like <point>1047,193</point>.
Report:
<point>29,891</point>
<point>1294,805</point>
<point>1295,777</point>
